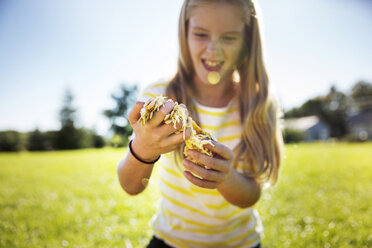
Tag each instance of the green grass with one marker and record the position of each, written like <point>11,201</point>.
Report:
<point>73,199</point>
<point>323,198</point>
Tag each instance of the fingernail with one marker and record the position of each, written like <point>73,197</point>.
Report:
<point>168,106</point>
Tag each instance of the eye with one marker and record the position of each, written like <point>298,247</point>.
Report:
<point>201,35</point>
<point>229,38</point>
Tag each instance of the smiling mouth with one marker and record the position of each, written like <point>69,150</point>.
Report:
<point>210,65</point>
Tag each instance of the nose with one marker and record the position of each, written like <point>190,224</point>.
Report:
<point>214,48</point>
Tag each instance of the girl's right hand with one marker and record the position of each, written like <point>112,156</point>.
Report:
<point>155,137</point>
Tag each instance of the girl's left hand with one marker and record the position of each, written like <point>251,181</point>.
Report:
<point>217,168</point>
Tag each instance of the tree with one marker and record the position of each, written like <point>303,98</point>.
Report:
<point>38,141</point>
<point>361,94</point>
<point>292,135</point>
<point>68,137</point>
<point>361,89</point>
<point>118,116</point>
<point>89,138</point>
<point>67,112</point>
<point>335,111</point>
<point>310,107</point>
<point>10,141</point>
<point>98,141</point>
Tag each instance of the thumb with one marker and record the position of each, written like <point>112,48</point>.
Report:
<point>220,150</point>
<point>135,114</point>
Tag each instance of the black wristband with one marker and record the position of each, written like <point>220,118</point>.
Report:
<point>134,155</point>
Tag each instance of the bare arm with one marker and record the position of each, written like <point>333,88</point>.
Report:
<point>236,188</point>
<point>151,140</point>
<point>240,190</point>
<point>133,175</point>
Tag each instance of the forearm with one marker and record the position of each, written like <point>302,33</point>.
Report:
<point>133,175</point>
<point>240,190</point>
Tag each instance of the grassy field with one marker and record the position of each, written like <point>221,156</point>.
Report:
<point>73,199</point>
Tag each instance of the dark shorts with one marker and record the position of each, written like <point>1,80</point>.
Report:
<point>158,243</point>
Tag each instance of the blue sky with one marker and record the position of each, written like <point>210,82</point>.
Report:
<point>91,47</point>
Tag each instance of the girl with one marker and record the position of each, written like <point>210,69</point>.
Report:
<point>222,80</point>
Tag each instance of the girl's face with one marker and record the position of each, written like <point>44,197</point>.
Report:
<point>215,40</point>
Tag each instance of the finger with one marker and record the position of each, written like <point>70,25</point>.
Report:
<point>168,130</point>
<point>210,162</point>
<point>200,182</point>
<point>188,132</point>
<point>175,139</point>
<point>159,116</point>
<point>135,114</point>
<point>208,174</point>
<point>221,150</point>
<point>178,125</point>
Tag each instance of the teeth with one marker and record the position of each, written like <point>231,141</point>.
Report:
<point>212,64</point>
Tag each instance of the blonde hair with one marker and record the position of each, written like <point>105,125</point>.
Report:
<point>260,147</point>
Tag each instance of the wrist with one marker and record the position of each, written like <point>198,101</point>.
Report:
<point>230,179</point>
<point>138,153</point>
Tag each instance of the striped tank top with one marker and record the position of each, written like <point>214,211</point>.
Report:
<point>190,216</point>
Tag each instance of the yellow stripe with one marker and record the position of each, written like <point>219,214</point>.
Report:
<point>169,156</point>
<point>170,171</point>
<point>217,207</point>
<point>150,94</point>
<point>204,231</point>
<point>174,187</point>
<point>193,222</point>
<point>185,206</point>
<point>241,236</point>
<point>226,242</point>
<point>204,191</point>
<point>194,210</point>
<point>165,237</point>
<point>159,85</point>
<point>242,220</point>
<point>249,242</point>
<point>223,125</point>
<point>229,138</point>
<point>202,111</point>
<point>183,191</point>
<point>233,213</point>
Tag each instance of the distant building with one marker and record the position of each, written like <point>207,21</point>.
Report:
<point>360,125</point>
<point>311,126</point>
